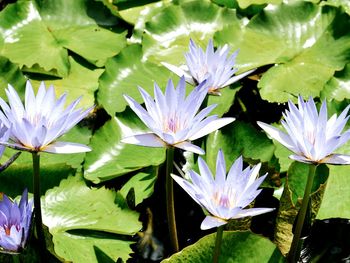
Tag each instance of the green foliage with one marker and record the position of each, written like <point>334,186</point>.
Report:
<point>236,247</point>
<point>104,49</point>
<point>112,158</point>
<point>82,218</point>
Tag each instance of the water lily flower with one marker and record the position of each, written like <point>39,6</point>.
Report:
<point>15,222</point>
<point>224,197</point>
<point>37,124</point>
<point>310,135</point>
<point>214,66</point>
<point>173,119</point>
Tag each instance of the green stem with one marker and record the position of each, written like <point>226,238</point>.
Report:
<point>170,200</point>
<point>15,258</point>
<point>37,204</point>
<point>218,240</point>
<point>294,252</point>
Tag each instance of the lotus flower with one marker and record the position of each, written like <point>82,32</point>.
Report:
<point>15,222</point>
<point>214,66</point>
<point>310,135</point>
<point>37,124</point>
<point>172,117</point>
<point>224,197</point>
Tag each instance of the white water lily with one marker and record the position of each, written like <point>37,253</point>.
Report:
<point>224,197</point>
<point>310,135</point>
<point>172,118</point>
<point>214,66</point>
<point>36,125</point>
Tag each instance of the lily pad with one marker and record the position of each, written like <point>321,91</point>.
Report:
<point>142,184</point>
<point>111,158</point>
<point>238,138</point>
<point>235,247</point>
<point>304,42</point>
<point>10,74</point>
<point>42,40</point>
<point>336,199</point>
<point>80,218</point>
<point>124,73</point>
<point>168,33</point>
<point>338,86</point>
<point>81,81</point>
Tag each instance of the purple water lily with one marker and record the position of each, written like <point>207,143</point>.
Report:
<point>15,222</point>
<point>224,197</point>
<point>310,135</point>
<point>214,66</point>
<point>37,124</point>
<point>173,119</point>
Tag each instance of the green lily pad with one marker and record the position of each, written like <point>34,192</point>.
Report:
<point>142,184</point>
<point>235,247</point>
<point>338,86</point>
<point>38,36</point>
<point>81,81</point>
<point>112,158</point>
<point>246,3</point>
<point>168,33</point>
<point>336,200</point>
<point>10,74</point>
<point>304,42</point>
<point>124,73</point>
<point>238,138</point>
<point>30,42</point>
<point>80,218</point>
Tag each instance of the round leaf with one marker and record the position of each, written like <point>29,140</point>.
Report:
<point>111,158</point>
<point>235,247</point>
<point>79,218</point>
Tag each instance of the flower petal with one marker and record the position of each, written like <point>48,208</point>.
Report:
<point>252,212</point>
<point>238,77</point>
<point>180,72</point>
<point>187,146</point>
<point>210,127</point>
<point>336,159</point>
<point>66,147</point>
<point>210,222</point>
<point>278,135</point>
<point>145,139</point>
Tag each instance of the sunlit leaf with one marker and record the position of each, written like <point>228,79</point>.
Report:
<point>112,158</point>
<point>303,41</point>
<point>235,247</point>
<point>81,218</point>
<point>168,33</point>
<point>124,73</point>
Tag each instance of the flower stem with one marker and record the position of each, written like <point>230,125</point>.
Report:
<point>37,204</point>
<point>294,252</point>
<point>218,240</point>
<point>170,200</point>
<point>15,258</point>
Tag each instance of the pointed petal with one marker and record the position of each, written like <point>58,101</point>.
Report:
<point>210,222</point>
<point>336,159</point>
<point>301,158</point>
<point>66,147</point>
<point>187,146</point>
<point>220,176</point>
<point>146,139</point>
<point>180,72</point>
<point>278,135</point>
<point>237,77</point>
<point>210,127</point>
<point>252,212</point>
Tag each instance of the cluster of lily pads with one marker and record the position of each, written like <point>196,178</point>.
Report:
<point>90,168</point>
